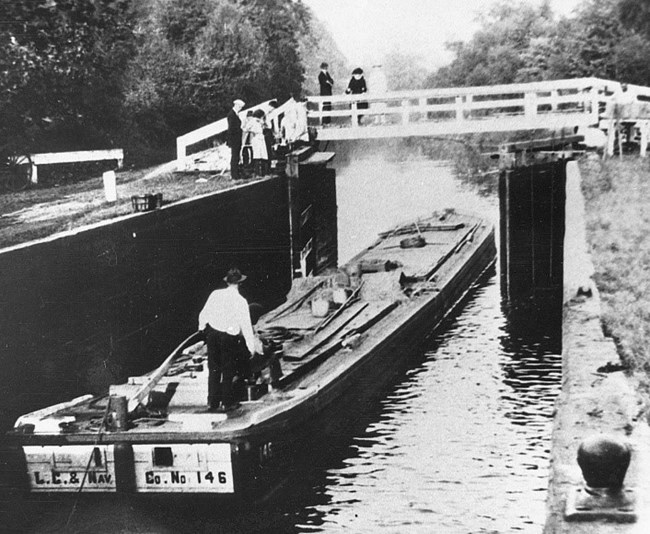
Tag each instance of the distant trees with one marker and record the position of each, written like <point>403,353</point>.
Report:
<point>196,56</point>
<point>61,65</point>
<point>500,51</point>
<point>317,46</point>
<point>519,43</point>
<point>78,74</point>
<point>403,70</point>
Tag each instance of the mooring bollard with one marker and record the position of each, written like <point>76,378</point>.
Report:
<point>603,461</point>
<point>118,412</point>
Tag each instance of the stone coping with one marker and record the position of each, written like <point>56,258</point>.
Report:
<point>593,400</point>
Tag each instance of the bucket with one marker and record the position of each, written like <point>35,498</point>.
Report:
<point>320,307</point>
<point>340,295</point>
<point>110,187</point>
<point>146,202</point>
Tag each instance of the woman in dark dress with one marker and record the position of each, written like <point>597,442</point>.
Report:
<point>357,86</point>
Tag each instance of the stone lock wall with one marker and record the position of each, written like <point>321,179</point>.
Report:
<point>81,311</point>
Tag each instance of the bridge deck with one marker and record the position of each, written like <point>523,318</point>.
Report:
<point>551,105</point>
<point>430,128</point>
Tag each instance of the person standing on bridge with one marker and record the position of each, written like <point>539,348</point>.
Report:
<point>357,86</point>
<point>226,321</point>
<point>326,83</point>
<point>235,137</point>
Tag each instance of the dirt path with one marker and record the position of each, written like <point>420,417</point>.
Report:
<point>44,211</point>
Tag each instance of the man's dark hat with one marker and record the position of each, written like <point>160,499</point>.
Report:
<point>357,71</point>
<point>258,113</point>
<point>324,65</point>
<point>234,276</point>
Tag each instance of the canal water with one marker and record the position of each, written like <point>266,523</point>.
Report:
<point>456,442</point>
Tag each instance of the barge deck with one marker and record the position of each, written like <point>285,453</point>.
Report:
<point>154,434</point>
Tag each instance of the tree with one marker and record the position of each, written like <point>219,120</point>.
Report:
<point>197,56</point>
<point>403,70</point>
<point>63,62</point>
<point>605,38</point>
<point>635,15</point>
<point>497,53</point>
<point>280,23</point>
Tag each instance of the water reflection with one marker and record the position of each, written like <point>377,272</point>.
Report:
<point>456,441</point>
<point>457,446</point>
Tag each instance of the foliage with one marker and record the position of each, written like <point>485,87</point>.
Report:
<point>621,251</point>
<point>403,70</point>
<point>60,70</point>
<point>196,57</point>
<point>497,52</point>
<point>635,14</point>
<point>80,74</point>
<point>317,46</point>
<point>520,43</point>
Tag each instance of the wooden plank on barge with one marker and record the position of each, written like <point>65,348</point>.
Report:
<point>304,367</point>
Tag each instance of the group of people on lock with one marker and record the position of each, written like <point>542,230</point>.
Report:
<point>261,137</point>
<point>356,86</point>
<point>251,140</point>
<point>257,139</point>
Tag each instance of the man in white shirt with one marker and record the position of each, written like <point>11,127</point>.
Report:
<point>226,319</point>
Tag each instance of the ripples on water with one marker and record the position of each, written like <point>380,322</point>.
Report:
<point>461,443</point>
<point>457,442</point>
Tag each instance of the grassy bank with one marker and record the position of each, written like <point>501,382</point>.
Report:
<point>43,211</point>
<point>617,193</point>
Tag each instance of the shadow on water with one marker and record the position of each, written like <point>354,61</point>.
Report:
<point>303,503</point>
<point>455,440</point>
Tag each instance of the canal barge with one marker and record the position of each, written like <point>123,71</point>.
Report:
<point>155,435</point>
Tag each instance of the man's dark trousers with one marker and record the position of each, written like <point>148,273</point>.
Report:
<point>222,354</point>
<point>235,147</point>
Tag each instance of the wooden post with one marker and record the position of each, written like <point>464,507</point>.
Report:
<point>611,138</point>
<point>595,105</point>
<point>460,113</point>
<point>34,178</point>
<point>555,94</point>
<point>468,106</point>
<point>181,149</point>
<point>405,112</point>
<point>530,105</point>
<point>355,115</point>
<point>643,148</point>
<point>619,133</point>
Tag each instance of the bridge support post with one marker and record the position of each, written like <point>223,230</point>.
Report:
<point>460,109</point>
<point>355,115</point>
<point>611,138</point>
<point>405,112</point>
<point>555,94</point>
<point>530,105</point>
<point>644,126</point>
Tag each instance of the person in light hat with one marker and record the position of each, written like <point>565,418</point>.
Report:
<point>234,137</point>
<point>225,319</point>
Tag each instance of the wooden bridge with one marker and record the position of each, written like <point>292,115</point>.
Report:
<point>549,105</point>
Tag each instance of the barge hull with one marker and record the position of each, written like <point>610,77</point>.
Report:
<point>242,456</point>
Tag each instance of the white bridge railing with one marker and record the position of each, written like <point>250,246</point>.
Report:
<point>551,104</point>
<point>214,129</point>
<point>537,105</point>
